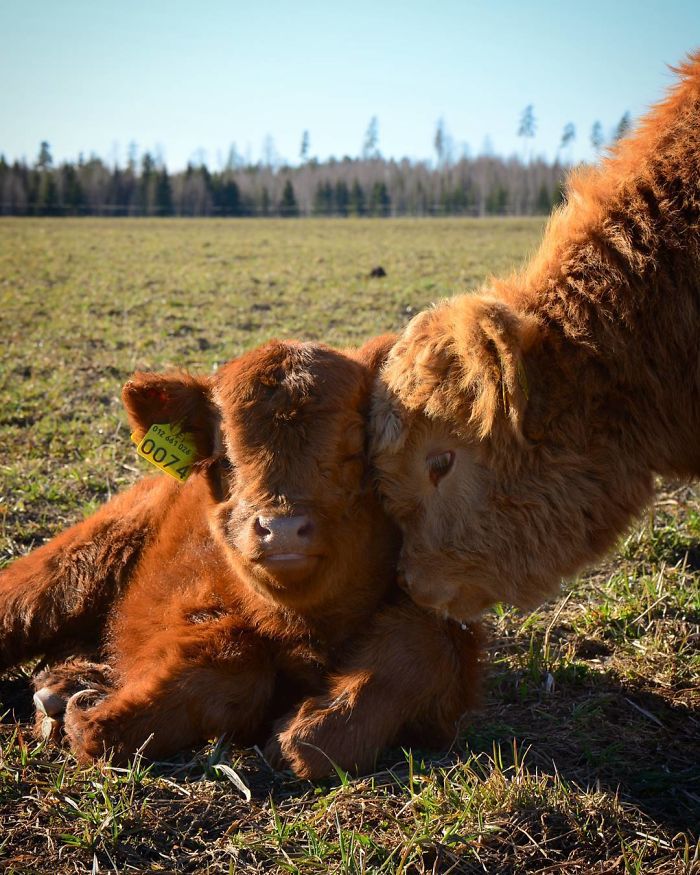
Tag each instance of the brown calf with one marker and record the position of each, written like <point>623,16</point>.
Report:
<point>260,593</point>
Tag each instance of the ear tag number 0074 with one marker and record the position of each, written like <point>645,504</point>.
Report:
<point>168,448</point>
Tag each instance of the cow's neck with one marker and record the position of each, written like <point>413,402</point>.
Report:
<point>616,287</point>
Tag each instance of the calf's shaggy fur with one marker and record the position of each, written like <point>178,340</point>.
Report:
<point>257,599</point>
<point>519,430</point>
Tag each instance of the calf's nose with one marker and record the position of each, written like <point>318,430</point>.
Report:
<point>284,531</point>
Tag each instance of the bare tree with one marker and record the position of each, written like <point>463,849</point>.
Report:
<point>567,139</point>
<point>304,148</point>
<point>132,155</point>
<point>623,127</point>
<point>370,146</point>
<point>234,161</point>
<point>597,138</point>
<point>439,141</point>
<point>443,144</point>
<point>527,128</point>
<point>269,152</point>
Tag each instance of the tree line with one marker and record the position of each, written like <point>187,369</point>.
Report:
<point>365,186</point>
<point>368,185</point>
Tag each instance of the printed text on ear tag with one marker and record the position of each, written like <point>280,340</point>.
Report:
<point>169,449</point>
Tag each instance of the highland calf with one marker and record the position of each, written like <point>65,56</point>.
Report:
<point>256,599</point>
<point>517,432</point>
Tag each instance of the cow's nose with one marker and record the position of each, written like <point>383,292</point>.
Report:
<point>284,531</point>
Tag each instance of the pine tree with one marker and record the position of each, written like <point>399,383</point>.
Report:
<point>342,198</point>
<point>230,198</point>
<point>544,200</point>
<point>323,199</point>
<point>163,194</point>
<point>380,202</point>
<point>147,186</point>
<point>47,203</point>
<point>497,200</point>
<point>288,204</point>
<point>44,191</point>
<point>357,199</point>
<point>460,199</point>
<point>73,194</point>
<point>44,161</point>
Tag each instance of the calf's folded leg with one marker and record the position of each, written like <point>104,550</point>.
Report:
<point>193,691</point>
<point>411,677</point>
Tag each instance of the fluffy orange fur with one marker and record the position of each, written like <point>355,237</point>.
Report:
<point>257,599</point>
<point>519,430</point>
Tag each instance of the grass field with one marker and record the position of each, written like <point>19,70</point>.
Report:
<point>585,756</point>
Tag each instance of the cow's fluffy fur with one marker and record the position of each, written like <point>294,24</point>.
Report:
<point>209,625</point>
<point>561,391</point>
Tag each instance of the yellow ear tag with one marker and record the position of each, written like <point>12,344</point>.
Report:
<point>168,448</point>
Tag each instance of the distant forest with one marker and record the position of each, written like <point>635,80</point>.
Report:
<point>369,185</point>
<point>374,186</point>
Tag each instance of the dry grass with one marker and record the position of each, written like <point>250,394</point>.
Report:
<point>585,757</point>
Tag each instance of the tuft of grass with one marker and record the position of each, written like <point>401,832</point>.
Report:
<point>585,754</point>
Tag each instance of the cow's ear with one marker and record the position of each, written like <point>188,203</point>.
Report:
<point>177,399</point>
<point>374,352</point>
<point>463,361</point>
<point>491,341</point>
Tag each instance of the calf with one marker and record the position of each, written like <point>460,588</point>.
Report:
<point>262,600</point>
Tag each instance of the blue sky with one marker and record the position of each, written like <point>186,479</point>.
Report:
<point>191,78</point>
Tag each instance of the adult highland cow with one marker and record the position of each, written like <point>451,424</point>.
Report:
<point>259,593</point>
<point>519,430</point>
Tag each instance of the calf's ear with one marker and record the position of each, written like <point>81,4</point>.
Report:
<point>177,398</point>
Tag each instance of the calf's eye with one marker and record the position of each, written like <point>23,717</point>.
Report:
<point>438,465</point>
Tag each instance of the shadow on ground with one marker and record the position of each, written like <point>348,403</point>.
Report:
<point>582,723</point>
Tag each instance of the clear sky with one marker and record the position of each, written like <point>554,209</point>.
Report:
<point>188,79</point>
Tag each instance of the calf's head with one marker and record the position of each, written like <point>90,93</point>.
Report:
<point>454,463</point>
<point>281,437</point>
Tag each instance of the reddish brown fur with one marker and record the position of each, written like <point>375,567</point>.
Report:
<point>210,636</point>
<point>563,390</point>
<point>58,597</point>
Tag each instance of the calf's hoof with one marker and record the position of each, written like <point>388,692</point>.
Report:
<point>55,686</point>
<point>49,703</point>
